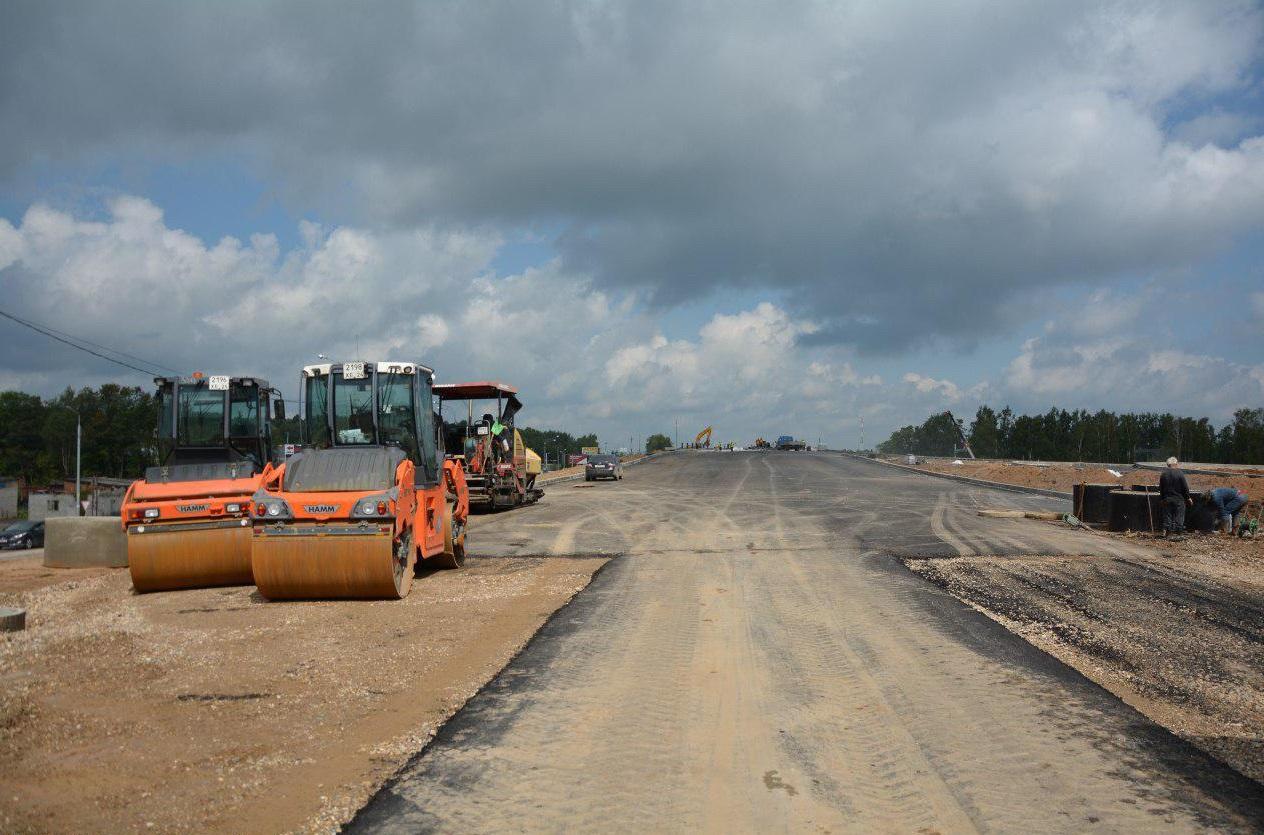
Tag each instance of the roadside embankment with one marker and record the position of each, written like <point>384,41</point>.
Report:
<point>572,472</point>
<point>1062,476</point>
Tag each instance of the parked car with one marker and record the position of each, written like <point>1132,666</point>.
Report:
<point>603,466</point>
<point>22,534</point>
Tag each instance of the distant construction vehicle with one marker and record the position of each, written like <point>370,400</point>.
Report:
<point>188,519</point>
<point>961,436</point>
<point>703,438</point>
<point>760,443</point>
<point>500,471</point>
<point>370,494</point>
<point>786,442</point>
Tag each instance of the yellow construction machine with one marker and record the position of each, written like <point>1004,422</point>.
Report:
<point>703,438</point>
<point>500,471</point>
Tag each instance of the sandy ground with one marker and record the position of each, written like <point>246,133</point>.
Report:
<point>1175,630</point>
<point>215,711</point>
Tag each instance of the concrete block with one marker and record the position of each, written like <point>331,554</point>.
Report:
<point>80,542</point>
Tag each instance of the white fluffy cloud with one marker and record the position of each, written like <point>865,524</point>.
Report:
<point>1088,359</point>
<point>584,358</point>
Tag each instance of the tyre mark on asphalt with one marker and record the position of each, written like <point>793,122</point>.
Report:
<point>937,526</point>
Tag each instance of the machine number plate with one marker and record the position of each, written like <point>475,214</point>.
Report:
<point>353,371</point>
<point>217,383</point>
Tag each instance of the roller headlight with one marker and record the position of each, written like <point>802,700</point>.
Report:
<point>232,507</point>
<point>151,513</point>
<point>274,508</point>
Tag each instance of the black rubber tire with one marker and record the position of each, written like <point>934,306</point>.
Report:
<point>453,553</point>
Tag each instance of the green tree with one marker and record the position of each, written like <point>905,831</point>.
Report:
<point>903,441</point>
<point>118,431</point>
<point>985,434</point>
<point>21,435</point>
<point>656,442</point>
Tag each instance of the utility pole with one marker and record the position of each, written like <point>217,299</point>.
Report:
<point>677,433</point>
<point>862,433</point>
<point>78,453</point>
<point>78,459</point>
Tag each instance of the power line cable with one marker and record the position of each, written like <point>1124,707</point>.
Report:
<point>67,341</point>
<point>111,350</point>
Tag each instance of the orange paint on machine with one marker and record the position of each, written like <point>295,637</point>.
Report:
<point>188,519</point>
<point>370,495</point>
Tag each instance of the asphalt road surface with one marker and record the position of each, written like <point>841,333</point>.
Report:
<point>756,658</point>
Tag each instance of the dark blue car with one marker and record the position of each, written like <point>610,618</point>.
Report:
<point>22,534</point>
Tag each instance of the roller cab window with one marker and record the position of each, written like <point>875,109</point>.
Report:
<point>199,416</point>
<point>429,469</point>
<point>353,411</point>
<point>397,423</point>
<point>243,411</point>
<point>316,395</point>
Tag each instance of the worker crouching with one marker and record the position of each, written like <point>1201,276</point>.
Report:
<point>1226,503</point>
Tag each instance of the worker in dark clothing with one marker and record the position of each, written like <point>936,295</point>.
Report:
<point>1174,493</point>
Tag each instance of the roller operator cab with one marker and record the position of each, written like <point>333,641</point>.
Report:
<point>188,520</point>
<point>369,494</point>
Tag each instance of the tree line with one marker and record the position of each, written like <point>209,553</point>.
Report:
<point>1079,435</point>
<point>37,436</point>
<point>556,442</point>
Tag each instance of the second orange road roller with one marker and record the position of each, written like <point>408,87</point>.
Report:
<point>370,494</point>
<point>188,520</point>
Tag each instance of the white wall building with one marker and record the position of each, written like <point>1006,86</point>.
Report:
<point>46,505</point>
<point>8,499</point>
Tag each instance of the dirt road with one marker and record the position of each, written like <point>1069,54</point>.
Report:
<point>758,658</point>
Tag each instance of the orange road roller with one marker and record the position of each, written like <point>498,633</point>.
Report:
<point>369,495</point>
<point>188,520</point>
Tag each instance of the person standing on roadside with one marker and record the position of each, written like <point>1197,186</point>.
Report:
<point>1174,493</point>
<point>1225,502</point>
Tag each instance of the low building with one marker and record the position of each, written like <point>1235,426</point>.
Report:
<point>102,496</point>
<point>46,505</point>
<point>9,489</point>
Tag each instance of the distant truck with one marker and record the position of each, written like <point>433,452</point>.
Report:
<point>787,442</point>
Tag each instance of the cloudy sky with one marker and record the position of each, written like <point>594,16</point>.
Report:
<point>772,217</point>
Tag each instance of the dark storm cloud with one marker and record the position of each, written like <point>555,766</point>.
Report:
<point>897,171</point>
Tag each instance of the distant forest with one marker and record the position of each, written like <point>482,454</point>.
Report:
<point>1059,435</point>
<point>37,436</point>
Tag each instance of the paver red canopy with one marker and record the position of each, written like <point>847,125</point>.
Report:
<point>484,390</point>
<point>473,391</point>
